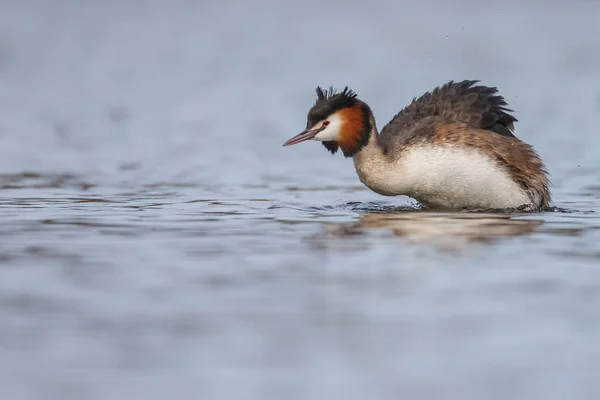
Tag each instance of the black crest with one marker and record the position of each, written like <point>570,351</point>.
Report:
<point>328,102</point>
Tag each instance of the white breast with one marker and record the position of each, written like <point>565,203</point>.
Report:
<point>443,176</point>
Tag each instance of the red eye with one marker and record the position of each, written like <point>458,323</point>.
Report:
<point>325,123</point>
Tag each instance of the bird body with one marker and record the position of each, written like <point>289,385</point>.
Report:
<point>452,148</point>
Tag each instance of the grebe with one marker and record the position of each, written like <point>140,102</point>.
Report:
<point>452,148</point>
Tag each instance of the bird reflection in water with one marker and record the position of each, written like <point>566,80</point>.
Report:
<point>451,231</point>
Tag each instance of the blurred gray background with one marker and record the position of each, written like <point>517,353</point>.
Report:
<point>157,241</point>
<point>153,82</point>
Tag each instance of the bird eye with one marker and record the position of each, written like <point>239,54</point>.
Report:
<point>325,123</point>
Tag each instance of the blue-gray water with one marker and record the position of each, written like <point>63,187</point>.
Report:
<point>156,241</point>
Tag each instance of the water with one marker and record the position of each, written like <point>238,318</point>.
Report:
<point>157,241</point>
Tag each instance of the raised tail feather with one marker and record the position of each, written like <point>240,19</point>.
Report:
<point>478,106</point>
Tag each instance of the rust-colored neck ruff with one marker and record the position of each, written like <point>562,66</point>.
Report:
<point>355,130</point>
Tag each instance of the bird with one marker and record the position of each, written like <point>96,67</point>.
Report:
<point>453,148</point>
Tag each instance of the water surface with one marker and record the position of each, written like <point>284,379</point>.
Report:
<point>158,242</point>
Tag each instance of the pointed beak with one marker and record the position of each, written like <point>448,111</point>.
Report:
<point>302,136</point>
